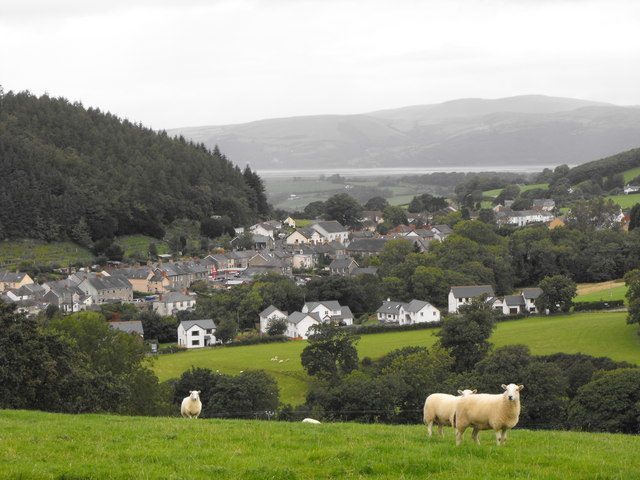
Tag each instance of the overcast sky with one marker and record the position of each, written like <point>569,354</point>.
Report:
<point>176,63</point>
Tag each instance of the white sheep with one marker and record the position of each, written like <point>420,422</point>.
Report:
<point>191,405</point>
<point>439,408</point>
<point>489,412</point>
<point>311,420</point>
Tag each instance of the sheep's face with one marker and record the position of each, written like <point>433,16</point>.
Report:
<point>194,395</point>
<point>512,391</point>
<point>465,393</point>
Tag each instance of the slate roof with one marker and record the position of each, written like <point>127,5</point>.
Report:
<point>330,304</point>
<point>415,305</point>
<point>444,229</point>
<point>471,291</point>
<point>531,293</point>
<point>269,310</point>
<point>342,263</point>
<point>109,283</point>
<point>514,301</point>
<point>297,317</point>
<point>331,226</point>
<point>173,297</point>
<point>369,245</point>
<point>131,326</point>
<point>365,271</point>
<point>11,277</point>
<point>390,307</point>
<point>205,324</point>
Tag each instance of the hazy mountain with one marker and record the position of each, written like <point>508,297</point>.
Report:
<point>524,130</point>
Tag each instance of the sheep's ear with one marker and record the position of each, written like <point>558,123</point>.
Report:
<point>520,388</point>
<point>474,391</point>
<point>504,387</point>
<point>190,392</point>
<point>460,392</point>
<point>198,392</point>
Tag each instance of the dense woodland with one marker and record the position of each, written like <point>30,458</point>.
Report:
<point>70,172</point>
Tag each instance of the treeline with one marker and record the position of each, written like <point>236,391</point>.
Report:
<point>70,172</point>
<point>605,167</point>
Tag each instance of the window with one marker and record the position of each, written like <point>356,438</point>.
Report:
<point>208,330</point>
<point>422,314</point>
<point>195,342</point>
<point>195,333</point>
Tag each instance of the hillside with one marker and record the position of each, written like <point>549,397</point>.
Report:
<point>102,446</point>
<point>598,334</point>
<point>69,172</point>
<point>523,131</point>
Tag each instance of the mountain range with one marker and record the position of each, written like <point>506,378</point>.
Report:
<point>529,130</point>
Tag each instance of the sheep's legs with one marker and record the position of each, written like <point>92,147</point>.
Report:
<point>504,436</point>
<point>475,436</point>
<point>441,430</point>
<point>429,428</point>
<point>459,435</point>
<point>498,437</point>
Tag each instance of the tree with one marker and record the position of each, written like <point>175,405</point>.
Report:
<point>376,203</point>
<point>331,352</point>
<point>634,217</point>
<point>81,233</point>
<point>466,335</point>
<point>343,208</point>
<point>609,403</point>
<point>226,330</point>
<point>277,326</point>
<point>557,294</point>
<point>395,216</point>
<point>429,283</point>
<point>314,209</point>
<point>632,281</point>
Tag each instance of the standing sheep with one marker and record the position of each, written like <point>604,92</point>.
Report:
<point>191,405</point>
<point>439,408</point>
<point>488,412</point>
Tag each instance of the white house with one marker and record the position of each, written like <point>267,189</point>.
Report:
<point>304,236</point>
<point>329,311</point>
<point>298,324</point>
<point>268,315</point>
<point>463,295</point>
<point>631,189</point>
<point>524,217</point>
<point>530,296</point>
<point>416,311</point>
<point>173,302</point>
<point>263,229</point>
<point>332,231</point>
<point>196,333</point>
<point>290,222</point>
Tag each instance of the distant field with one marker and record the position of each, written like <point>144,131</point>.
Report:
<point>54,446</point>
<point>600,334</point>
<point>593,292</point>
<point>139,244</point>
<point>625,201</point>
<point>35,252</point>
<point>523,188</point>
<point>631,174</point>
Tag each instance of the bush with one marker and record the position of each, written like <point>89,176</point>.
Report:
<point>598,305</point>
<point>382,328</point>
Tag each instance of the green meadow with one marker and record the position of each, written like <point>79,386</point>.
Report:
<point>625,201</point>
<point>598,334</point>
<point>35,445</point>
<point>14,253</point>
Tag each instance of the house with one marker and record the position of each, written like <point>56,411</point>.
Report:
<point>631,189</point>
<point>307,236</point>
<point>330,311</point>
<point>268,315</point>
<point>290,222</point>
<point>298,324</point>
<point>367,247</point>
<point>459,296</point>
<point>416,311</point>
<point>543,204</point>
<point>182,274</point>
<point>13,280</point>
<point>343,266</point>
<point>263,229</point>
<point>441,231</point>
<point>332,231</point>
<point>172,302</point>
<point>304,258</point>
<point>513,305</point>
<point>364,271</point>
<point>107,288</point>
<point>530,296</point>
<point>67,298</point>
<point>196,333</point>
<point>133,327</point>
<point>521,218</point>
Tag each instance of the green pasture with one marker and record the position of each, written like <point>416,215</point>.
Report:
<point>14,253</point>
<point>599,334</point>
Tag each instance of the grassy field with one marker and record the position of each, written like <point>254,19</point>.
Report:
<point>594,292</point>
<point>35,252</point>
<point>523,188</point>
<point>631,174</point>
<point>36,445</point>
<point>139,244</point>
<point>599,334</point>
<point>625,201</point>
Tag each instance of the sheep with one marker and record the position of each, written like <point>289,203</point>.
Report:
<point>311,420</point>
<point>191,406</point>
<point>439,408</point>
<point>489,412</point>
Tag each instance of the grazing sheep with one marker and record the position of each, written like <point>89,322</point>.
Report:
<point>191,405</point>
<point>311,420</point>
<point>488,412</point>
<point>439,408</point>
